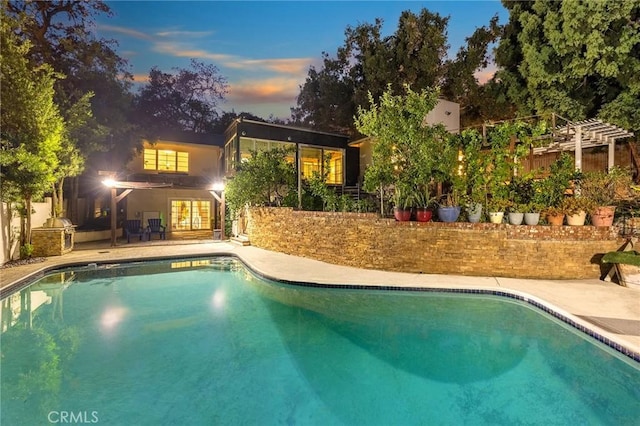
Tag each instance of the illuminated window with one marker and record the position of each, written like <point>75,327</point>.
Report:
<point>246,146</point>
<point>291,157</point>
<point>190,215</point>
<point>149,159</point>
<point>250,144</point>
<point>334,164</point>
<point>327,161</point>
<point>183,162</point>
<point>166,160</point>
<point>311,161</point>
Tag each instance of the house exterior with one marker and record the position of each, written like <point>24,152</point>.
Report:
<point>310,147</point>
<point>445,112</point>
<point>170,179</point>
<point>191,168</point>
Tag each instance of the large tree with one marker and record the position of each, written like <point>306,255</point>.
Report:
<point>577,58</point>
<point>415,54</point>
<point>31,126</point>
<point>62,35</point>
<point>186,100</point>
<point>461,85</point>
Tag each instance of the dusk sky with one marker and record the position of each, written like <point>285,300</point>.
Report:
<point>263,49</point>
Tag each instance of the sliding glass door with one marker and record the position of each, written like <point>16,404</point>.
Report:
<point>190,215</point>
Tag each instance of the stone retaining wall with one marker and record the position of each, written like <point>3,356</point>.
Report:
<point>484,249</point>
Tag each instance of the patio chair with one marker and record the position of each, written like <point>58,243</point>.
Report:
<point>155,227</point>
<point>133,228</point>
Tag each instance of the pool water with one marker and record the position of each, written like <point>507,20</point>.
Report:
<point>203,341</point>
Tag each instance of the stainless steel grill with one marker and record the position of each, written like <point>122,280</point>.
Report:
<point>58,222</point>
<point>62,224</point>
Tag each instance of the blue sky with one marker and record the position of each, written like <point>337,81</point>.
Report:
<point>263,48</point>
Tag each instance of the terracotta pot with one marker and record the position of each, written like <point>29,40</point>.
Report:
<point>576,219</point>
<point>603,216</point>
<point>423,215</point>
<point>402,215</point>
<point>555,220</point>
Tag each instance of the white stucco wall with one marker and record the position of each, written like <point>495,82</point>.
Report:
<point>447,113</point>
<point>11,249</point>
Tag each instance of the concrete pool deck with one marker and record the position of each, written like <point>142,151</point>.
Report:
<point>608,309</point>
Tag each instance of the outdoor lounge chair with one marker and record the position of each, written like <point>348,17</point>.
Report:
<point>133,228</point>
<point>155,227</point>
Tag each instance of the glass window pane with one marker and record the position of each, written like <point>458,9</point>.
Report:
<point>201,217</point>
<point>291,158</point>
<point>180,215</point>
<point>246,146</point>
<point>166,160</point>
<point>310,160</point>
<point>149,159</point>
<point>183,162</point>
<point>262,145</point>
<point>334,164</point>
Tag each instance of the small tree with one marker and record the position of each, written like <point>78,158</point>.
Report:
<point>406,151</point>
<point>31,126</point>
<point>265,179</point>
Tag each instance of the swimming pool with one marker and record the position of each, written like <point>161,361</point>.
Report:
<point>204,341</point>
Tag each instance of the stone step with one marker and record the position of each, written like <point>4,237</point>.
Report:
<point>243,240</point>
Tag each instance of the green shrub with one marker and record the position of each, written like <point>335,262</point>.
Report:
<point>26,251</point>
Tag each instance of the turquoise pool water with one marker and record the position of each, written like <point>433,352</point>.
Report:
<point>203,341</point>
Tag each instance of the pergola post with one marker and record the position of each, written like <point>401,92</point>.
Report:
<point>219,187</point>
<point>113,216</point>
<point>578,155</point>
<point>611,157</point>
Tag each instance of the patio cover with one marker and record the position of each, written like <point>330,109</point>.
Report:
<point>128,187</point>
<point>585,134</point>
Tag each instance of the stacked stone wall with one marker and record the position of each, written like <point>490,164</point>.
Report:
<point>484,249</point>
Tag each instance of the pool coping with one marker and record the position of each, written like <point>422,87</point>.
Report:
<point>588,328</point>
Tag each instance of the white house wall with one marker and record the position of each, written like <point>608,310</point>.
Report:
<point>10,249</point>
<point>447,113</point>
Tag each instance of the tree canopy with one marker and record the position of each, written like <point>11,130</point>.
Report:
<point>31,126</point>
<point>579,59</point>
<point>61,34</point>
<point>407,152</point>
<point>186,100</point>
<point>415,54</point>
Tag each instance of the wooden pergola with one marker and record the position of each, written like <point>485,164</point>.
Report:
<point>576,136</point>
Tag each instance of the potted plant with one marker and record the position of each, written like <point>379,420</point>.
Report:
<point>551,190</point>
<point>554,215</point>
<point>606,190</point>
<point>496,207</point>
<point>449,207</point>
<point>627,264</point>
<point>472,169</point>
<point>532,213</point>
<point>576,208</point>
<point>516,213</point>
<point>402,200</point>
<point>473,209</point>
<point>424,204</point>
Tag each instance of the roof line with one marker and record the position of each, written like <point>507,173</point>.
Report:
<point>283,126</point>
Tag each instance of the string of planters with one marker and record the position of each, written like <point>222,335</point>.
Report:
<point>425,168</point>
